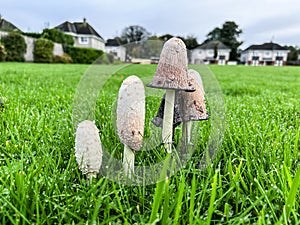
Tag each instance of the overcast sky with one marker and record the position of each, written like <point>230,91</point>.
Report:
<point>260,20</point>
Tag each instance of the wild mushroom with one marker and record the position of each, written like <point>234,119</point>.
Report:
<point>171,74</point>
<point>192,105</point>
<point>88,149</point>
<point>131,119</point>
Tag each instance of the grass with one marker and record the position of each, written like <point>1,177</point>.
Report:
<point>254,178</point>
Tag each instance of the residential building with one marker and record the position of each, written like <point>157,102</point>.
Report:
<point>7,26</point>
<point>265,54</point>
<point>84,34</point>
<point>213,52</point>
<point>112,46</point>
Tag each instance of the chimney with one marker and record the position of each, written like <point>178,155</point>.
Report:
<point>84,21</point>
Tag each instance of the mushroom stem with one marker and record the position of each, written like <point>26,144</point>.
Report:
<point>128,161</point>
<point>186,130</point>
<point>91,176</point>
<point>167,128</point>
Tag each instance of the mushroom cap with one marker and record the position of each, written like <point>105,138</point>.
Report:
<point>192,104</point>
<point>171,72</point>
<point>131,112</point>
<point>88,149</point>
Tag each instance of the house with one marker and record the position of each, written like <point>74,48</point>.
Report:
<point>210,52</point>
<point>265,54</point>
<point>112,46</point>
<point>7,26</point>
<point>84,34</point>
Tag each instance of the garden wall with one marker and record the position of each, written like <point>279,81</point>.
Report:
<point>57,50</point>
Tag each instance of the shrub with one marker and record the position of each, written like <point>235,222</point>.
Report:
<point>83,55</point>
<point>43,50</point>
<point>15,47</point>
<point>65,58</point>
<point>58,37</point>
<point>2,53</point>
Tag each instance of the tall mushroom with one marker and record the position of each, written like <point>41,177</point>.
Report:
<point>192,105</point>
<point>88,148</point>
<point>171,74</point>
<point>131,119</point>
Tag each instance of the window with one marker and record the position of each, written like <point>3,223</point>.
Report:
<point>267,53</point>
<point>83,40</point>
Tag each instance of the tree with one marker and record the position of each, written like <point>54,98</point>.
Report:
<point>190,42</point>
<point>293,54</point>
<point>134,33</point>
<point>228,35</point>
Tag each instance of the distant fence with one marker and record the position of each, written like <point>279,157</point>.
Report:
<point>57,50</point>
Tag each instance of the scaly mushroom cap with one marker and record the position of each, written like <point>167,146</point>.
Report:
<point>192,104</point>
<point>171,72</point>
<point>88,149</point>
<point>131,112</point>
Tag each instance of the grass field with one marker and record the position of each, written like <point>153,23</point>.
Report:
<point>254,178</point>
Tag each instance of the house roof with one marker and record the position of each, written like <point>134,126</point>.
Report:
<point>7,26</point>
<point>266,46</point>
<point>78,28</point>
<point>212,45</point>
<point>112,42</point>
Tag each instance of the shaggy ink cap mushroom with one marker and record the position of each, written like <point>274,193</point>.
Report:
<point>131,112</point>
<point>171,72</point>
<point>88,148</point>
<point>131,119</point>
<point>192,104</point>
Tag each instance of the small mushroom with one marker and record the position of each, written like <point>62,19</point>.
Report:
<point>131,119</point>
<point>171,74</point>
<point>192,105</point>
<point>88,149</point>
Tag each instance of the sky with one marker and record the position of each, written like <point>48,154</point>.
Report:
<point>260,20</point>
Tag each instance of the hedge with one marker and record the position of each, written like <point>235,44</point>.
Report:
<point>15,47</point>
<point>43,50</point>
<point>2,53</point>
<point>83,55</point>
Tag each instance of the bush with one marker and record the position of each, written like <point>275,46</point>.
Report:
<point>58,37</point>
<point>83,55</point>
<point>2,53</point>
<point>65,58</point>
<point>15,47</point>
<point>43,50</point>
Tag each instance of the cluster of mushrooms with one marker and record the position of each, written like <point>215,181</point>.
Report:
<point>183,102</point>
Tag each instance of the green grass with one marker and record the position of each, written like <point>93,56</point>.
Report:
<point>254,178</point>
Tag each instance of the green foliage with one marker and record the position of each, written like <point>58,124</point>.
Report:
<point>2,53</point>
<point>83,55</point>
<point>32,34</point>
<point>58,37</point>
<point>228,34</point>
<point>43,50</point>
<point>15,47</point>
<point>65,58</point>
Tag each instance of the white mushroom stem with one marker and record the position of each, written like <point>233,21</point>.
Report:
<point>186,130</point>
<point>167,129</point>
<point>128,161</point>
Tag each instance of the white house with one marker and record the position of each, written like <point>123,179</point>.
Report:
<point>265,54</point>
<point>113,47</point>
<point>84,34</point>
<point>210,52</point>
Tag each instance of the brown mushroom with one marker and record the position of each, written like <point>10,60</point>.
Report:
<point>192,104</point>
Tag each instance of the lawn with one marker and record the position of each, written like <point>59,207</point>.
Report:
<point>253,178</point>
